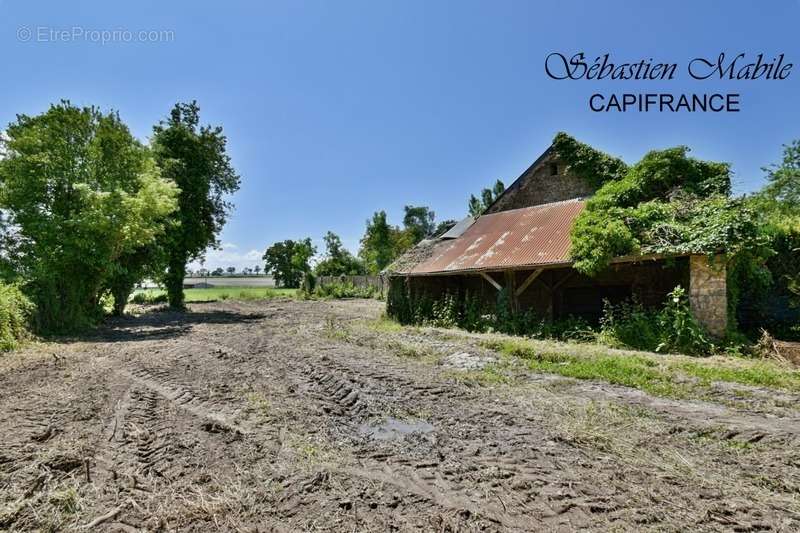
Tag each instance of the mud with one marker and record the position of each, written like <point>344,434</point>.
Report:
<point>291,416</point>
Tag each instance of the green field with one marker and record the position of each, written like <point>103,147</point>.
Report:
<point>215,294</point>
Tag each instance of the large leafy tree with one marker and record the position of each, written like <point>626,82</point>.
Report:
<point>288,261</point>
<point>195,158</point>
<point>477,206</point>
<point>81,193</point>
<point>418,222</point>
<point>338,261</point>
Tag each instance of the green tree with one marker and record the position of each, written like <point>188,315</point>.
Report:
<point>82,194</point>
<point>195,158</point>
<point>231,270</point>
<point>476,206</point>
<point>782,191</point>
<point>338,261</point>
<point>379,243</point>
<point>288,261</point>
<point>418,222</point>
<point>778,203</point>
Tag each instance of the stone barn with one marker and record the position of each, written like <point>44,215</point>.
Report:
<point>522,243</point>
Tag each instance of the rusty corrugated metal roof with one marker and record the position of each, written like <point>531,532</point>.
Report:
<point>530,236</point>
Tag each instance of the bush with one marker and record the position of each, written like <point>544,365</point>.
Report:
<point>345,290</point>
<point>670,329</point>
<point>15,315</point>
<point>628,324</point>
<point>148,297</point>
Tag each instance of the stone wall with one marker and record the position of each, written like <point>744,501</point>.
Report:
<point>539,186</point>
<point>708,294</point>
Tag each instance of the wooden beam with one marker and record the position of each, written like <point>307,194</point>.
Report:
<point>525,284</point>
<point>491,280</point>
<point>565,278</point>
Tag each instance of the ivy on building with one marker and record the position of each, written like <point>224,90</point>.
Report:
<point>668,203</point>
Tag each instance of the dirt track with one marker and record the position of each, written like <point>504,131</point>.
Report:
<point>289,415</point>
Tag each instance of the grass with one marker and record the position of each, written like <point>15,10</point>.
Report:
<point>662,375</point>
<point>216,294</point>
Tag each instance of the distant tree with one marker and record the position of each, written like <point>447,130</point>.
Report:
<point>443,227</point>
<point>783,182</point>
<point>231,270</point>
<point>477,206</point>
<point>418,222</point>
<point>218,272</point>
<point>82,194</point>
<point>288,261</point>
<point>378,245</point>
<point>203,272</point>
<point>257,269</point>
<point>338,261</point>
<point>247,271</point>
<point>195,158</point>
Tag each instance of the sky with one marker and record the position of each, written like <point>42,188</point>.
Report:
<point>334,110</point>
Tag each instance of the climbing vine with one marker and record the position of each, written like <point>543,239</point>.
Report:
<point>586,162</point>
<point>668,203</point>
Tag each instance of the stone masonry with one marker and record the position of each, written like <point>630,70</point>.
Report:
<point>708,294</point>
<point>543,183</point>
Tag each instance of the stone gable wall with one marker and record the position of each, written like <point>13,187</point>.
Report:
<point>538,187</point>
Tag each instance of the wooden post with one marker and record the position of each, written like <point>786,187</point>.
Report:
<point>511,290</point>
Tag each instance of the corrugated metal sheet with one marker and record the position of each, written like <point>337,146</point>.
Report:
<point>530,236</point>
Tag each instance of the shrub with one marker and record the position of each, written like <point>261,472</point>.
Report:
<point>345,290</point>
<point>670,329</point>
<point>628,324</point>
<point>15,315</point>
<point>148,297</point>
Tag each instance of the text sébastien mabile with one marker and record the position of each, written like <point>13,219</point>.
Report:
<point>733,67</point>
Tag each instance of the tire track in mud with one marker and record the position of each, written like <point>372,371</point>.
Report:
<point>508,484</point>
<point>181,417</point>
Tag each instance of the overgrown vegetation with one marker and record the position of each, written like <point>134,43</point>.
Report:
<point>468,311</point>
<point>669,203</point>
<point>81,195</point>
<point>345,290</point>
<point>661,376</point>
<point>159,296</point>
<point>16,312</point>
<point>671,328</point>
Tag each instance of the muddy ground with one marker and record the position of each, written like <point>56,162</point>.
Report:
<point>289,415</point>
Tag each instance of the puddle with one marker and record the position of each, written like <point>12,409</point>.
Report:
<point>393,428</point>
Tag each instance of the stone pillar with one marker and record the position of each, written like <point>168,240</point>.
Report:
<point>708,294</point>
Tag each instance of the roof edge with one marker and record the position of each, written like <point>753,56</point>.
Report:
<point>524,173</point>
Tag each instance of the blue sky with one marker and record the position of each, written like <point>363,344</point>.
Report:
<point>336,109</point>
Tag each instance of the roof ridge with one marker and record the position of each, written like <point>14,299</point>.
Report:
<point>548,204</point>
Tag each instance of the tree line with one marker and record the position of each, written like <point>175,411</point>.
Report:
<point>289,261</point>
<point>87,211</point>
